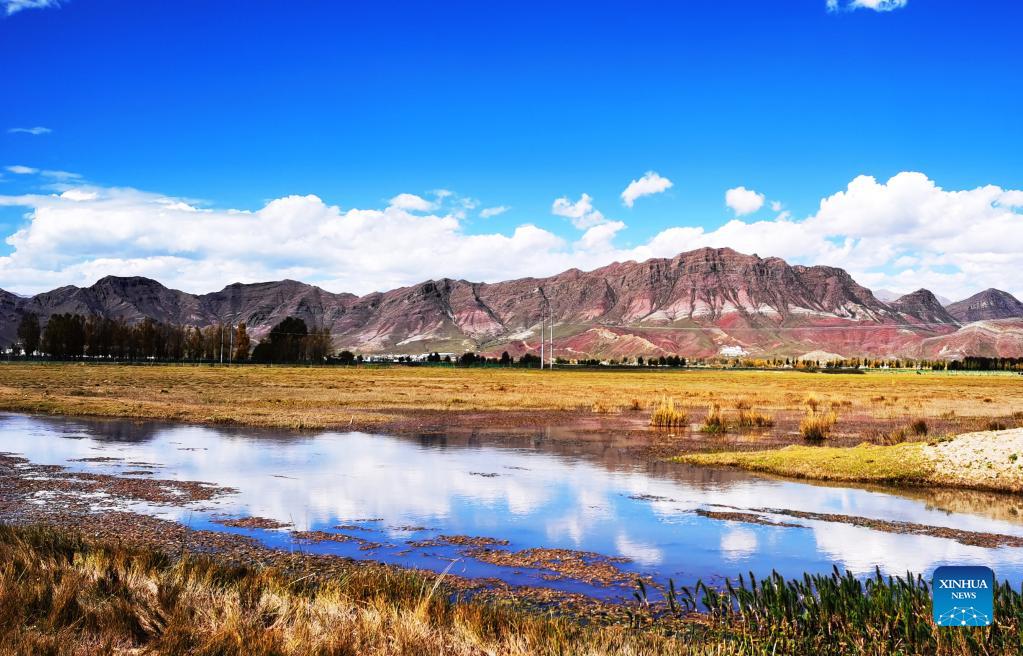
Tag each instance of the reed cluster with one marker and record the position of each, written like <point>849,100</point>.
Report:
<point>816,426</point>
<point>714,422</point>
<point>840,614</point>
<point>669,414</point>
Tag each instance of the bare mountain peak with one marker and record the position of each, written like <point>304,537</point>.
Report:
<point>987,305</point>
<point>924,306</point>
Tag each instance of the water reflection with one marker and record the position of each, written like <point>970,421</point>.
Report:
<point>584,495</point>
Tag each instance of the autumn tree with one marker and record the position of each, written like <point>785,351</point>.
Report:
<point>242,343</point>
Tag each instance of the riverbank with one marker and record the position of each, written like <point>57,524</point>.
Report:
<point>64,593</point>
<point>988,460</point>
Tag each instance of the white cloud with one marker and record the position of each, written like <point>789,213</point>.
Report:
<point>488,212</point>
<point>14,6</point>
<point>743,200</point>
<point>600,237</point>
<point>776,206</point>
<point>79,194</point>
<point>414,203</point>
<point>903,233</point>
<point>582,213</point>
<point>651,183</point>
<point>876,5</point>
<point>33,131</point>
<point>60,176</point>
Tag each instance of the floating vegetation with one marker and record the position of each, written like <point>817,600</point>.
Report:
<point>583,566</point>
<point>252,522</point>
<point>460,540</point>
<point>749,518</point>
<point>970,538</point>
<point>669,414</point>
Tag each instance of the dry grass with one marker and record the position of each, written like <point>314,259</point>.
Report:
<point>750,418</point>
<point>817,426</point>
<point>299,397</point>
<point>669,414</point>
<point>60,594</point>
<point>714,422</point>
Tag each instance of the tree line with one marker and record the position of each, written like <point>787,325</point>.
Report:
<point>73,336</point>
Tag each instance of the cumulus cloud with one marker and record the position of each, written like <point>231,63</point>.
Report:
<point>903,233</point>
<point>743,201</point>
<point>14,6</point>
<point>651,183</point>
<point>22,170</point>
<point>581,213</point>
<point>488,212</point>
<point>875,5</point>
<point>33,131</point>
<point>414,203</point>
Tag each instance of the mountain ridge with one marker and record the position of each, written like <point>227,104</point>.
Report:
<point>697,304</point>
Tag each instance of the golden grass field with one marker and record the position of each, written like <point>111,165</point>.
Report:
<point>302,397</point>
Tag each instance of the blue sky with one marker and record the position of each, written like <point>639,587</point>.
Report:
<point>228,106</point>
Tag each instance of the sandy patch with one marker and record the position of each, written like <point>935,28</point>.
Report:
<point>990,458</point>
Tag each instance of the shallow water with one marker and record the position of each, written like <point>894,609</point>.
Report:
<point>534,492</point>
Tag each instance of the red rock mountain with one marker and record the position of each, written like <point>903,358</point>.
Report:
<point>696,304</point>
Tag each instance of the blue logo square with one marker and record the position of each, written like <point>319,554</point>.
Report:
<point>963,596</point>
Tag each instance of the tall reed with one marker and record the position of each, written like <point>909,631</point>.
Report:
<point>816,426</point>
<point>669,414</point>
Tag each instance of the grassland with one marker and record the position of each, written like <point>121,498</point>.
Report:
<point>298,397</point>
<point>63,594</point>
<point>868,463</point>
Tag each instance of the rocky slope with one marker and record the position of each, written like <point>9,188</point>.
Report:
<point>696,304</point>
<point>988,304</point>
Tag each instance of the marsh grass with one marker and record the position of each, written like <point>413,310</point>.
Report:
<point>816,426</point>
<point>714,422</point>
<point>61,594</point>
<point>750,418</point>
<point>669,414</point>
<point>602,407</point>
<point>840,614</point>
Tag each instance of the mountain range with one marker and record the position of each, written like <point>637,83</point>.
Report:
<point>697,304</point>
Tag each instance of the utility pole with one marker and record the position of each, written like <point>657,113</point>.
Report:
<point>221,343</point>
<point>230,352</point>
<point>551,314</point>
<point>541,339</point>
